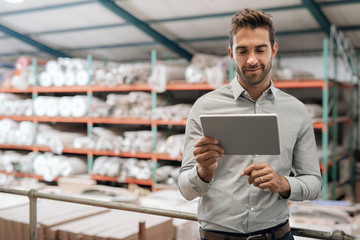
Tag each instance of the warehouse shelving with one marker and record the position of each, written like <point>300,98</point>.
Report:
<point>297,83</point>
<point>324,124</point>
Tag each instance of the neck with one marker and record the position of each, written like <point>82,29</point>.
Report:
<point>255,91</point>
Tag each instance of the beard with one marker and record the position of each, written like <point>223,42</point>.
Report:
<point>253,78</point>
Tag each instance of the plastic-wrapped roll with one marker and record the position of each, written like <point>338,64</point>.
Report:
<point>52,170</point>
<point>26,107</point>
<point>158,80</point>
<point>39,164</point>
<point>215,76</point>
<point>315,110</point>
<point>27,132</point>
<point>72,166</point>
<point>65,109</point>
<point>79,106</point>
<point>45,79</point>
<point>52,106</point>
<point>82,78</point>
<point>58,78</point>
<point>52,66</point>
<point>205,60</point>
<point>116,164</point>
<point>40,106</point>
<point>99,165</point>
<point>175,145</point>
<point>193,74</point>
<point>83,142</point>
<point>70,78</point>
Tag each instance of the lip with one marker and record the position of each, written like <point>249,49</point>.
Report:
<point>253,70</point>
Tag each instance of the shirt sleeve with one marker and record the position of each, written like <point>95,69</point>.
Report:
<point>190,184</point>
<point>307,181</point>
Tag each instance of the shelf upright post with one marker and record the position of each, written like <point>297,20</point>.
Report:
<point>90,157</point>
<point>34,95</point>
<point>335,126</point>
<point>153,125</point>
<point>325,99</point>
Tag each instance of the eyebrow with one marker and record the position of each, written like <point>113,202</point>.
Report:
<point>258,46</point>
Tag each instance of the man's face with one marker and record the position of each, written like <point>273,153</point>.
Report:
<point>252,55</point>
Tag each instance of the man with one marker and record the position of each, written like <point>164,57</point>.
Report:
<point>242,196</point>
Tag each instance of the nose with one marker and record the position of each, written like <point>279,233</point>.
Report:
<point>252,59</point>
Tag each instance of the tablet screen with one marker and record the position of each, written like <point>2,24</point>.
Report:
<point>244,134</point>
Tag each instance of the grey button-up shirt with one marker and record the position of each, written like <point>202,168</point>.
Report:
<point>229,202</point>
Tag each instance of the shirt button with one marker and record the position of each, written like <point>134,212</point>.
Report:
<point>252,208</point>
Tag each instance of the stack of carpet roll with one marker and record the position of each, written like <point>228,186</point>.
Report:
<point>109,138</point>
<point>173,145</point>
<point>58,137</point>
<point>70,106</point>
<point>140,141</point>
<point>15,104</point>
<point>121,74</point>
<point>64,72</point>
<point>165,72</point>
<point>175,112</point>
<point>122,167</point>
<point>208,68</point>
<point>11,161</point>
<point>167,174</point>
<point>132,105</point>
<point>51,166</point>
<point>17,133</point>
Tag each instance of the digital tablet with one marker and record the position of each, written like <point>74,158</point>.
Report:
<point>244,134</point>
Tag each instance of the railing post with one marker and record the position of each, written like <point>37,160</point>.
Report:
<point>33,217</point>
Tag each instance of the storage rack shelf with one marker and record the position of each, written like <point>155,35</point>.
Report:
<point>295,83</point>
<point>36,148</point>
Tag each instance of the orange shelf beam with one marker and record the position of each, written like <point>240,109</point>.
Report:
<point>303,83</point>
<point>122,88</point>
<point>22,175</point>
<point>17,147</point>
<point>112,120</point>
<point>18,118</point>
<point>15,90</point>
<point>188,86</point>
<point>167,157</point>
<point>64,89</point>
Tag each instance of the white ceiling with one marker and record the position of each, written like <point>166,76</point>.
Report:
<point>81,27</point>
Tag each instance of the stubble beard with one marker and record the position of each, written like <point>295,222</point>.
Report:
<point>254,80</point>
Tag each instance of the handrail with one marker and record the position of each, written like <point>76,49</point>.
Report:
<point>34,194</point>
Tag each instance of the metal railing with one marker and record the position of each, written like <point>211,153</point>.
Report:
<point>34,194</point>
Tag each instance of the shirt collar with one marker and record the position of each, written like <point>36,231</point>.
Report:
<point>238,89</point>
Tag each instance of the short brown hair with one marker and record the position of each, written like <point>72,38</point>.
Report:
<point>252,18</point>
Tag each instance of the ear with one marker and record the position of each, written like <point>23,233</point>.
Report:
<point>230,53</point>
<point>274,50</point>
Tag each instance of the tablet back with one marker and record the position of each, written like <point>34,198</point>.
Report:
<point>244,134</point>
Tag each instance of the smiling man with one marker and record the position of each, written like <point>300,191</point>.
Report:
<point>244,196</point>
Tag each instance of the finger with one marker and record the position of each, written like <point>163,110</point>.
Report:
<point>203,157</point>
<point>205,141</point>
<point>255,166</point>
<point>206,148</point>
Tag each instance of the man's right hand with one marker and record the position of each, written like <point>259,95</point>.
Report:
<point>207,151</point>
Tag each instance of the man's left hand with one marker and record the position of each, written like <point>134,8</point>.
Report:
<point>262,175</point>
